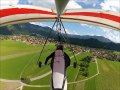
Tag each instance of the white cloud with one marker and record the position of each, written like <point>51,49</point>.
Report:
<point>113,5</point>
<point>72,4</point>
<point>40,24</point>
<point>88,2</point>
<point>108,33</point>
<point>62,30</point>
<point>43,3</point>
<point>8,2</point>
<point>85,1</point>
<point>94,4</point>
<point>85,25</point>
<point>51,3</point>
<point>112,35</point>
<point>73,32</point>
<point>69,31</point>
<point>88,25</point>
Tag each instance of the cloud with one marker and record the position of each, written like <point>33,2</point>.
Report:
<point>8,2</point>
<point>72,4</point>
<point>113,5</point>
<point>40,24</point>
<point>112,35</point>
<point>69,30</point>
<point>51,3</point>
<point>88,2</point>
<point>101,31</point>
<point>43,3</point>
<point>88,26</point>
<point>73,32</point>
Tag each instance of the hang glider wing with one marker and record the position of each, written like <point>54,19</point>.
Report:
<point>27,13</point>
<point>99,17</point>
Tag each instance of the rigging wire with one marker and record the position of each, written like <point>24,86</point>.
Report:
<point>46,41</point>
<point>59,26</point>
<point>68,40</point>
<point>58,31</point>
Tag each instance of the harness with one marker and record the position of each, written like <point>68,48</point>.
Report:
<point>58,72</point>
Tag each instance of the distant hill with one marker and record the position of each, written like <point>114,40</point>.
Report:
<point>25,29</point>
<point>89,41</point>
<point>99,38</point>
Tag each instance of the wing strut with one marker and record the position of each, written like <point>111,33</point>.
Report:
<point>75,63</point>
<point>60,6</point>
<point>39,62</point>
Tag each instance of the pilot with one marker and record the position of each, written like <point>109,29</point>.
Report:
<point>58,53</point>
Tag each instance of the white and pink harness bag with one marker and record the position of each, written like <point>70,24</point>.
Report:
<point>58,73</point>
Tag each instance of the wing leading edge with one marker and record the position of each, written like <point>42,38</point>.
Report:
<point>27,13</point>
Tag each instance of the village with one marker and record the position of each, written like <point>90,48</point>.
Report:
<point>98,53</point>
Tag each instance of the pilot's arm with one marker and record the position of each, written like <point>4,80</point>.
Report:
<point>67,59</point>
<point>50,56</point>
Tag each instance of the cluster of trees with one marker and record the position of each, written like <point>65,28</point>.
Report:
<point>110,56</point>
<point>84,66</point>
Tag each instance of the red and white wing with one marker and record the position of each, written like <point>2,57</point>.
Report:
<point>27,13</point>
<point>107,19</point>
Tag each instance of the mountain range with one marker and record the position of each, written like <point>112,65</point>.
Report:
<point>99,38</point>
<point>30,29</point>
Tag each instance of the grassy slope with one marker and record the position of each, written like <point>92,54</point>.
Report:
<point>14,66</point>
<point>36,88</point>
<point>78,77</point>
<point>70,74</point>
<point>108,79</point>
<point>8,47</point>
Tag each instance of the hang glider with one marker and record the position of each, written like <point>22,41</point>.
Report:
<point>28,13</point>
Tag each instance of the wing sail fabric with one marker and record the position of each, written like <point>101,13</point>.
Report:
<point>27,13</point>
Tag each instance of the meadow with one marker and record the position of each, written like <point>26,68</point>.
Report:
<point>18,59</point>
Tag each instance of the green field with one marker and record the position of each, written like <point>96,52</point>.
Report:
<point>18,59</point>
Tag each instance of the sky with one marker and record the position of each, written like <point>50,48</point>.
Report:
<point>77,28</point>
